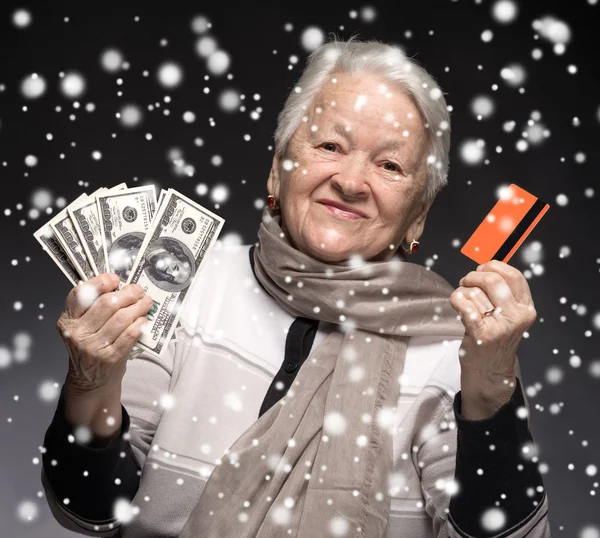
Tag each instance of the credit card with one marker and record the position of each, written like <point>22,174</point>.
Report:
<point>506,226</point>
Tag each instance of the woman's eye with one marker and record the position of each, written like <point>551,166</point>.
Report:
<point>396,168</point>
<point>329,144</point>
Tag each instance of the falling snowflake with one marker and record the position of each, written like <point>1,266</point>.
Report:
<point>130,116</point>
<point>334,423</point>
<point>22,18</point>
<point>200,24</point>
<point>48,391</point>
<point>229,100</point>
<point>339,526</point>
<point>514,75</point>
<point>27,511</point>
<point>219,194</point>
<point>472,152</point>
<point>553,29</point>
<point>493,520</point>
<point>170,75</point>
<point>482,106</point>
<point>72,85</point>
<point>112,60</point>
<point>312,38</point>
<point>125,511</point>
<point>505,11</point>
<point>205,46</point>
<point>218,62</point>
<point>41,198</point>
<point>5,357</point>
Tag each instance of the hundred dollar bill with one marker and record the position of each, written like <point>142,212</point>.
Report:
<point>86,222</point>
<point>45,236</point>
<point>65,234</point>
<point>161,197</point>
<point>170,257</point>
<point>125,217</point>
<point>85,219</point>
<point>136,350</point>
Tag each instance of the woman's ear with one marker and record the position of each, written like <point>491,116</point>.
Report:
<point>274,177</point>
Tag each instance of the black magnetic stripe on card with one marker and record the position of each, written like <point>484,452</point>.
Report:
<point>520,230</point>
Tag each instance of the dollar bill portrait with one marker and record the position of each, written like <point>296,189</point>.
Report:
<point>123,253</point>
<point>169,264</point>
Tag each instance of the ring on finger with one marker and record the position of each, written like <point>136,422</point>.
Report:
<point>483,302</point>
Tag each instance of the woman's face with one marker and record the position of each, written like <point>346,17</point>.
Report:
<point>363,146</point>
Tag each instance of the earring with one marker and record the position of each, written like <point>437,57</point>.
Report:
<point>271,202</point>
<point>412,248</point>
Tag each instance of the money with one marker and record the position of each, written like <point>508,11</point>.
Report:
<point>168,260</point>
<point>45,236</point>
<point>125,217</point>
<point>159,245</point>
<point>87,226</point>
<point>161,197</point>
<point>86,223</point>
<point>65,234</point>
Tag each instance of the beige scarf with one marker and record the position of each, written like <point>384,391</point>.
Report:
<point>318,461</point>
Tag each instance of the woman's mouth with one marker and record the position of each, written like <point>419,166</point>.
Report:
<point>346,215</point>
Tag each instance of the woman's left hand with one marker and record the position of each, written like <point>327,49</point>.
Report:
<point>489,347</point>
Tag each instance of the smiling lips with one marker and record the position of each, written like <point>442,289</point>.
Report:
<point>341,213</point>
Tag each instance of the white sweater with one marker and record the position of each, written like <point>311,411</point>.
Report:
<point>183,412</point>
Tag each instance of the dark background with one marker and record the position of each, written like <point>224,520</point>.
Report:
<point>565,422</point>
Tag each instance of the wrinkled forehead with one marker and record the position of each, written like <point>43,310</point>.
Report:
<point>364,99</point>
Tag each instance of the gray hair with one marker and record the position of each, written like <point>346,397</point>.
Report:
<point>390,62</point>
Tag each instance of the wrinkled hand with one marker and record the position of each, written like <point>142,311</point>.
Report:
<point>489,347</point>
<point>99,327</point>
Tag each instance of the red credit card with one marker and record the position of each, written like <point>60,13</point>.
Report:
<point>505,227</point>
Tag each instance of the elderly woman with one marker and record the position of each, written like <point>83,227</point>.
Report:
<point>318,385</point>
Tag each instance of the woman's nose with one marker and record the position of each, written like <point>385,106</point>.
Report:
<point>352,178</point>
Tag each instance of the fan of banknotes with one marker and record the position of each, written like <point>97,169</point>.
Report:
<point>159,245</point>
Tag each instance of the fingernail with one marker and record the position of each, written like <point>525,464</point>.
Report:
<point>114,276</point>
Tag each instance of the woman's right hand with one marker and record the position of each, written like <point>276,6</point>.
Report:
<point>99,327</point>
